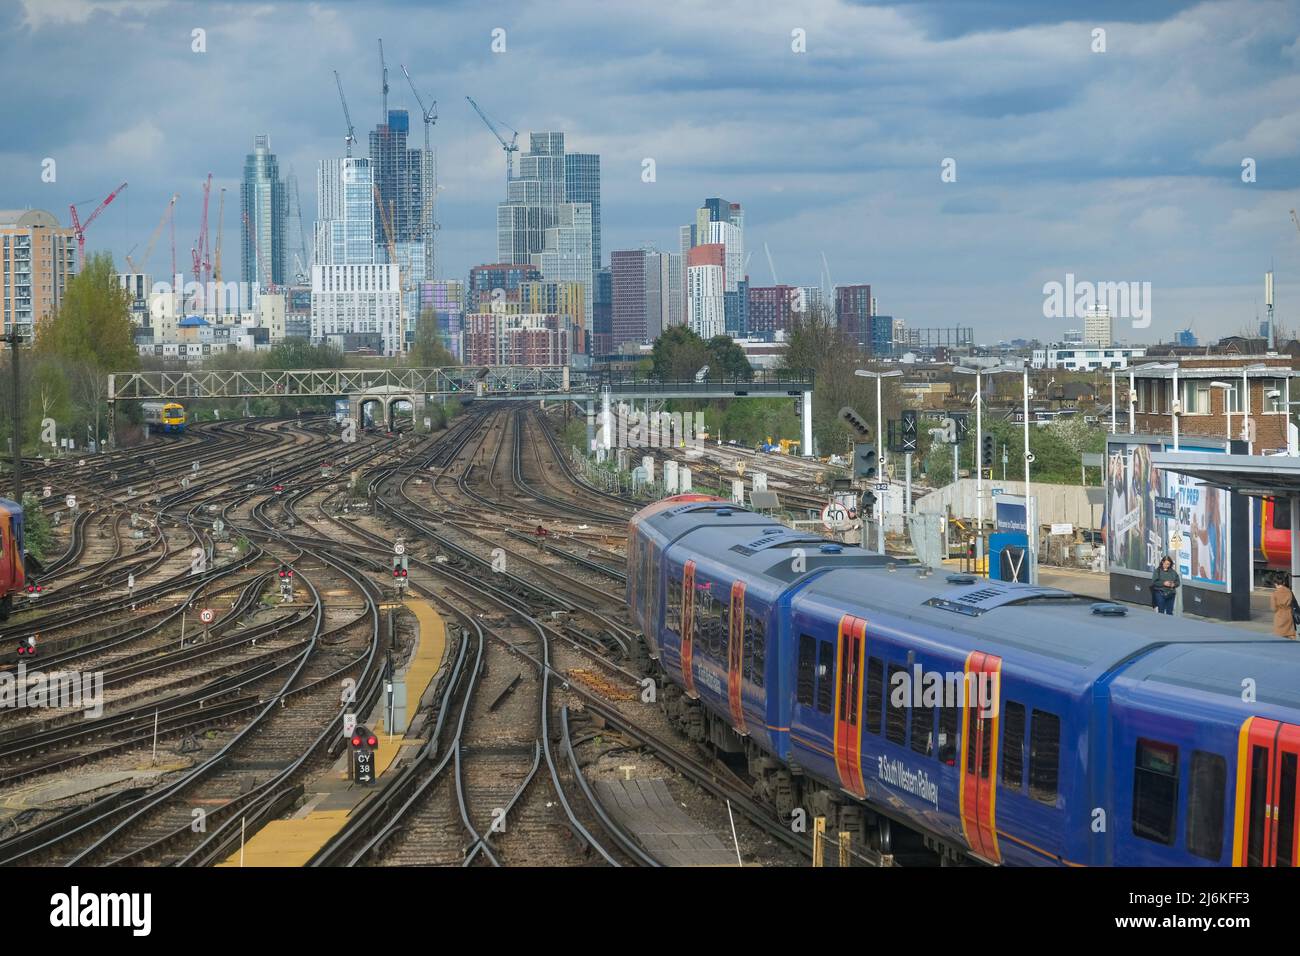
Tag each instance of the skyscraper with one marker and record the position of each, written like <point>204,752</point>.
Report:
<point>853,313</point>
<point>706,290</point>
<point>532,200</point>
<point>1097,328</point>
<point>264,203</point>
<point>37,258</point>
<point>582,184</point>
<point>566,255</point>
<point>399,173</point>
<point>722,223</point>
<point>628,275</point>
<point>345,227</point>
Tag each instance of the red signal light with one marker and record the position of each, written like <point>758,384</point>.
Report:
<point>356,741</point>
<point>22,649</point>
<point>372,741</point>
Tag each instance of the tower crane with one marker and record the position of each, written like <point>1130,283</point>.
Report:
<point>1295,220</point>
<point>216,258</point>
<point>202,260</point>
<point>510,147</point>
<point>384,69</point>
<point>429,225</point>
<point>79,228</point>
<point>351,137</point>
<point>157,231</point>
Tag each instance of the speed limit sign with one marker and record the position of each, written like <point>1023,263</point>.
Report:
<point>71,501</point>
<point>836,517</point>
<point>399,549</point>
<point>206,615</point>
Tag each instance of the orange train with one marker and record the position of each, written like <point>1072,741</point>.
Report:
<point>12,569</point>
<point>1272,521</point>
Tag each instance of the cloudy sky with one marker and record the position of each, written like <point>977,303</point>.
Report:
<point>1122,165</point>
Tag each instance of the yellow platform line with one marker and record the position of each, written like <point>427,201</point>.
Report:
<point>295,841</point>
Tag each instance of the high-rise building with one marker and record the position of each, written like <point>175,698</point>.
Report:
<point>771,309</point>
<point>1097,327</point>
<point>582,184</point>
<point>674,289</point>
<point>532,200</point>
<point>355,303</point>
<point>445,300</point>
<point>399,174</point>
<point>1185,339</point>
<point>498,337</point>
<point>628,275</point>
<point>345,224</point>
<point>37,259</point>
<point>602,314</point>
<point>498,281</point>
<point>264,204</point>
<point>566,255</point>
<point>853,313</point>
<point>722,223</point>
<point>706,290</point>
<point>565,299</point>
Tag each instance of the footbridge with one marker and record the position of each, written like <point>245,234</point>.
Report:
<point>390,386</point>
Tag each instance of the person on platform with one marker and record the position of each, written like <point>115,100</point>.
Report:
<point>1282,601</point>
<point>1164,584</point>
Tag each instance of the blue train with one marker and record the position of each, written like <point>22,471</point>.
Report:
<point>983,721</point>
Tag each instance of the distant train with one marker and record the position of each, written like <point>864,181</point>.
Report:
<point>995,722</point>
<point>12,569</point>
<point>1272,533</point>
<point>166,417</point>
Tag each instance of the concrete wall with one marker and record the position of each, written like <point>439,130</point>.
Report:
<point>1057,504</point>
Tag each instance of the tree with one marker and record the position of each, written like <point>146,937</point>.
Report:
<point>816,344</point>
<point>427,351</point>
<point>678,354</point>
<point>727,360</point>
<point>93,322</point>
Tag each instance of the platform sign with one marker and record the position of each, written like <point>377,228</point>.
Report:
<point>1166,507</point>
<point>1011,514</point>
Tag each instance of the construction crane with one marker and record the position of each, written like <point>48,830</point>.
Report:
<point>429,224</point>
<point>351,137</point>
<point>771,265</point>
<point>384,69</point>
<point>509,147</point>
<point>386,217</point>
<point>261,263</point>
<point>1295,220</point>
<point>216,258</point>
<point>79,228</point>
<point>157,231</point>
<point>302,235</point>
<point>202,261</point>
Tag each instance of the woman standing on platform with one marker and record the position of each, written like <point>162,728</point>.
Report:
<point>1164,583</point>
<point>1281,601</point>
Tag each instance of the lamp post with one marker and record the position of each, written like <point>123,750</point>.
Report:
<point>1229,390</point>
<point>1245,416</point>
<point>979,445</point>
<point>880,445</point>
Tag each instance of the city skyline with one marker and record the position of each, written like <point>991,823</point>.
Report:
<point>1115,166</point>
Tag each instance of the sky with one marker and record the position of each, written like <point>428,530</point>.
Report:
<point>1114,165</point>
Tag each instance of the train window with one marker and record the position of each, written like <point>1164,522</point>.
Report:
<point>1044,756</point>
<point>1155,791</point>
<point>673,617</point>
<point>1013,745</point>
<point>1286,787</point>
<point>755,649</point>
<point>1281,514</point>
<point>720,648</point>
<point>922,728</point>
<point>826,677</point>
<point>949,720</point>
<point>874,686</point>
<point>895,716</point>
<point>807,669</point>
<point>1205,800</point>
<point>708,621</point>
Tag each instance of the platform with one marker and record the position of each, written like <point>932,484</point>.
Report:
<point>332,797</point>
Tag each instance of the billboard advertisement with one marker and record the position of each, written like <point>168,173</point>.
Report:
<point>1151,513</point>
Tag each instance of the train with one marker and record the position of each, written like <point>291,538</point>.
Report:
<point>166,417</point>
<point>1272,534</point>
<point>972,721</point>
<point>13,578</point>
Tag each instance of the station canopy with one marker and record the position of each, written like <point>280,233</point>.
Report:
<point>1258,476</point>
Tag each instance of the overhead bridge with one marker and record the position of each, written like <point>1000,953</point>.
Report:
<point>418,386</point>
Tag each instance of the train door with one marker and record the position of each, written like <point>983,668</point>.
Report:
<point>688,628</point>
<point>735,657</point>
<point>1269,757</point>
<point>850,669</point>
<point>977,797</point>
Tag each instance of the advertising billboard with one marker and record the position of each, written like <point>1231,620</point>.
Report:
<point>1151,513</point>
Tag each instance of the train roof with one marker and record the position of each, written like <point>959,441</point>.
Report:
<point>9,505</point>
<point>1272,665</point>
<point>994,616</point>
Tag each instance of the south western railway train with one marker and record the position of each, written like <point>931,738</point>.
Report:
<point>12,569</point>
<point>165,417</point>
<point>848,683</point>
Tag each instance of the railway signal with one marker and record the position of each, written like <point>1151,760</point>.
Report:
<point>363,744</point>
<point>399,570</point>
<point>286,584</point>
<point>855,421</point>
<point>27,647</point>
<point>864,460</point>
